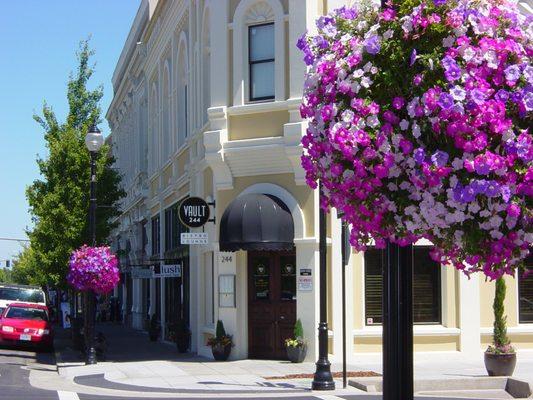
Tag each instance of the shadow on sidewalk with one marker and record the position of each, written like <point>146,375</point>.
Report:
<point>123,345</point>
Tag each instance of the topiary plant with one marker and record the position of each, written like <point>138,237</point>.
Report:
<point>220,332</point>
<point>501,343</point>
<point>298,330</point>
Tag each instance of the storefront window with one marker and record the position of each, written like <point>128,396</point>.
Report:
<point>288,278</point>
<point>262,278</point>
<point>426,287</point>
<point>155,235</point>
<point>525,294</point>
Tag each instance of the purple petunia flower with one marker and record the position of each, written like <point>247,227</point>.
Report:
<point>477,96</point>
<point>445,101</point>
<point>502,95</point>
<point>439,158</point>
<point>346,12</point>
<point>373,45</point>
<point>439,3</point>
<point>419,155</point>
<point>493,189</point>
<point>413,58</point>
<point>512,73</point>
<point>320,42</point>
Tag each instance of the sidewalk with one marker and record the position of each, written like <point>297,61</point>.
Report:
<point>134,364</point>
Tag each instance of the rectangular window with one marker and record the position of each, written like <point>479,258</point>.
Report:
<point>155,235</point>
<point>525,294</point>
<point>261,61</point>
<point>426,287</point>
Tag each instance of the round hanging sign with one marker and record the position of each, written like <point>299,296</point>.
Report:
<point>193,212</point>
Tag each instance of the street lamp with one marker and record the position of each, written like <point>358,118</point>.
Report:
<point>323,380</point>
<point>94,141</point>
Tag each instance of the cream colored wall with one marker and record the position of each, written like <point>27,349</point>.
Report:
<point>487,298</point>
<point>373,344</point>
<point>181,162</point>
<point>259,125</point>
<point>358,286</point>
<point>302,194</point>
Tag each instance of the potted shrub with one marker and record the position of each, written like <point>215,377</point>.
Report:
<point>155,328</point>
<point>221,343</point>
<point>182,336</point>
<point>296,347</point>
<point>500,357</point>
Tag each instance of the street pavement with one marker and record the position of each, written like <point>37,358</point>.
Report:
<point>137,369</point>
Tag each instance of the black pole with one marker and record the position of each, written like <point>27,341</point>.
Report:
<point>398,323</point>
<point>90,351</point>
<point>323,380</point>
<point>344,247</point>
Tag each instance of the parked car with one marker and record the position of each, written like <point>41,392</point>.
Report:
<point>20,294</point>
<point>26,323</point>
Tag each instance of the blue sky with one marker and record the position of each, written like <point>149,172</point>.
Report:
<point>38,41</point>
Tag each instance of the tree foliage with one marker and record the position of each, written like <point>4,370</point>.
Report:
<point>500,320</point>
<point>59,200</point>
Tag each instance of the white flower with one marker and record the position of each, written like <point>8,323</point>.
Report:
<point>392,187</point>
<point>367,66</point>
<point>358,73</point>
<point>431,64</point>
<point>416,130</point>
<point>366,81</point>
<point>372,121</point>
<point>362,25</point>
<point>495,221</point>
<point>404,124</point>
<point>457,164</point>
<point>496,234</point>
<point>492,59</point>
<point>448,41</point>
<point>468,53</point>
<point>388,34</point>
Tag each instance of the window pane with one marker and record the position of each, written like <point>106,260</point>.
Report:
<point>261,42</point>
<point>261,276</point>
<point>288,278</point>
<point>426,287</point>
<point>373,286</point>
<point>262,80</point>
<point>525,294</point>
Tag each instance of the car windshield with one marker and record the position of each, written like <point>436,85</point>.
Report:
<point>26,313</point>
<point>22,294</point>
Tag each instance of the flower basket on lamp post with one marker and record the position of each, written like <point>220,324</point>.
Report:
<point>419,128</point>
<point>93,270</point>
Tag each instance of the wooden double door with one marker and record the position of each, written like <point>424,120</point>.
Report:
<point>271,303</point>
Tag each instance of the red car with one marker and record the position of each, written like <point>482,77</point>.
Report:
<point>23,323</point>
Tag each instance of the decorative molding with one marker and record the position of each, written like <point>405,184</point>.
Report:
<point>259,12</point>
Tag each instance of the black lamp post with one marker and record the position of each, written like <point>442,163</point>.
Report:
<point>94,141</point>
<point>323,380</point>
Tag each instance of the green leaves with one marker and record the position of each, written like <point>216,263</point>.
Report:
<point>59,201</point>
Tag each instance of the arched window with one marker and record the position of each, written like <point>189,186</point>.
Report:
<point>165,123</point>
<point>182,91</point>
<point>206,64</point>
<point>153,150</point>
<point>259,51</point>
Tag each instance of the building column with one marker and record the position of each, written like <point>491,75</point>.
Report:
<point>469,311</point>
<point>219,68</point>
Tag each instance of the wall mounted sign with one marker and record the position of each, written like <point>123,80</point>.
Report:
<point>168,271</point>
<point>194,238</point>
<point>305,280</point>
<point>194,212</point>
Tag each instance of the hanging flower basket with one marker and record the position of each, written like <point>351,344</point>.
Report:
<point>93,269</point>
<point>419,127</point>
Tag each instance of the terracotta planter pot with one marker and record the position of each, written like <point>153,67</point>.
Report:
<point>500,364</point>
<point>296,354</point>
<point>221,352</point>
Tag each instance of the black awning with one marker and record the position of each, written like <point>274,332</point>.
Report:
<point>256,222</point>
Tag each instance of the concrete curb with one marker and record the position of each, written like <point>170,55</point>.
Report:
<point>516,388</point>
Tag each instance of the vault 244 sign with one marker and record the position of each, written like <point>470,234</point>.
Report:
<point>194,212</point>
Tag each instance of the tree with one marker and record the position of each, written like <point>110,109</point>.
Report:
<point>26,269</point>
<point>59,201</point>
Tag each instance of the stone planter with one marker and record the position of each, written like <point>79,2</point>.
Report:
<point>296,354</point>
<point>221,352</point>
<point>500,364</point>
